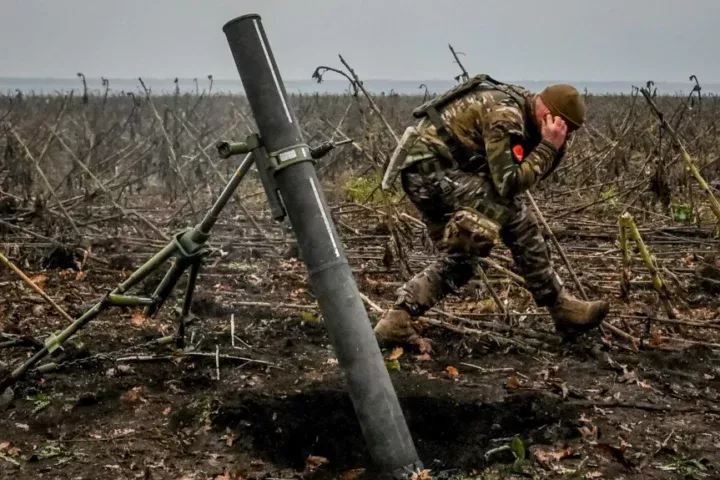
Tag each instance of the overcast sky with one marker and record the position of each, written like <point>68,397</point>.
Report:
<point>664,40</point>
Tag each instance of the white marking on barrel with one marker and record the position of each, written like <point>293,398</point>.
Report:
<point>272,70</point>
<point>324,216</point>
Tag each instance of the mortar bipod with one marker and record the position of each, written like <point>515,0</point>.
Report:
<point>189,247</point>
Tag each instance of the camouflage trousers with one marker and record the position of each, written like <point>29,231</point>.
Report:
<point>437,200</point>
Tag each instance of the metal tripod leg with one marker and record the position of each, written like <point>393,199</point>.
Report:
<point>166,286</point>
<point>111,299</point>
<point>187,301</point>
<point>190,246</point>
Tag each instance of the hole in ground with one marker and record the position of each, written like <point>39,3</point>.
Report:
<point>447,433</point>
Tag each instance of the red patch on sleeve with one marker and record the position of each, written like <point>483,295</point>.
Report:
<point>519,152</point>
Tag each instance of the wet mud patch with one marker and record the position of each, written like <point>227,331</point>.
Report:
<point>448,433</point>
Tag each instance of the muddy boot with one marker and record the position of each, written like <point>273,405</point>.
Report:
<point>397,327</point>
<point>573,315</point>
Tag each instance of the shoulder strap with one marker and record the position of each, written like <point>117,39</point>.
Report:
<point>464,88</point>
<point>454,93</point>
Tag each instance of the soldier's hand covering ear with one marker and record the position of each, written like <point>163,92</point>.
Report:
<point>554,130</point>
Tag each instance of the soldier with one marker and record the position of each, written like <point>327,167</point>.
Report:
<point>465,167</point>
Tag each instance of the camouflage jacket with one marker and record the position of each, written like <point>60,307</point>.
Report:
<point>495,129</point>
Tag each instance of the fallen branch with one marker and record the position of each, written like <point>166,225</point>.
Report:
<point>26,279</point>
<point>559,248</point>
<point>152,358</point>
<point>488,370</point>
<point>479,333</point>
<point>481,273</point>
<point>627,225</point>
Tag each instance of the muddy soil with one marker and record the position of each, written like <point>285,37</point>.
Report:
<point>122,406</point>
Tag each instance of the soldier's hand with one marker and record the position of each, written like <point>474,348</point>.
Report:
<point>554,130</point>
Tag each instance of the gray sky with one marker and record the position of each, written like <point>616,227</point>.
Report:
<point>601,40</point>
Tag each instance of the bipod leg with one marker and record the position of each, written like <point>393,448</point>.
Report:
<point>190,244</point>
<point>187,302</point>
<point>163,291</point>
<point>150,266</point>
<point>53,343</point>
<point>113,298</point>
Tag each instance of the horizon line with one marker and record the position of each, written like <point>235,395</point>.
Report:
<point>345,81</point>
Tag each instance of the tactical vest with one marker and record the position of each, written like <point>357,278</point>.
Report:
<point>433,108</point>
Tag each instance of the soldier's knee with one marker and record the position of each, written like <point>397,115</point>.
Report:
<point>469,232</point>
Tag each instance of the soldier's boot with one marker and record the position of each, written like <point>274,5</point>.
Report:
<point>466,235</point>
<point>574,315</point>
<point>397,327</point>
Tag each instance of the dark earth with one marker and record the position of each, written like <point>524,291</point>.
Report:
<point>122,406</point>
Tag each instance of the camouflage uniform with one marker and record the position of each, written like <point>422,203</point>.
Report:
<point>509,157</point>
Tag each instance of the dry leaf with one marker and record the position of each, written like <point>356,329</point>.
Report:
<point>313,462</point>
<point>591,475</point>
<point>298,292</point>
<point>512,383</point>
<point>644,384</point>
<point>132,396</point>
<point>138,320</point>
<point>483,306</point>
<point>396,353</point>
<point>80,276</point>
<point>39,280</point>
<point>423,475</point>
<point>547,456</point>
<point>656,339</point>
<point>452,371</point>
<point>353,474</point>
<point>5,448</point>
<point>425,357</point>
<point>424,345</point>
<point>589,434</point>
<point>67,273</point>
